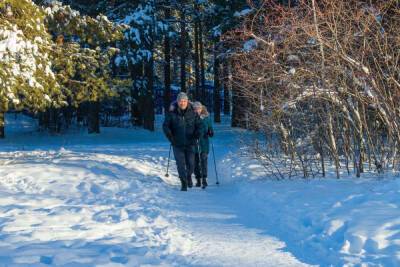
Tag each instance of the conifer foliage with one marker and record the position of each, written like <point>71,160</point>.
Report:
<point>51,56</point>
<point>26,76</point>
<point>66,63</point>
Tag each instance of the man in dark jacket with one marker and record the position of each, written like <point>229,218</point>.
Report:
<point>182,126</point>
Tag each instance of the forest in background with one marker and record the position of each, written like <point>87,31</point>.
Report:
<point>319,80</point>
<point>85,62</point>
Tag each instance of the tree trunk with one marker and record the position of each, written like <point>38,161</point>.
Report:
<point>51,120</point>
<point>94,117</point>
<point>357,155</point>
<point>175,66</point>
<point>81,114</point>
<point>68,113</point>
<point>235,108</point>
<point>202,64</point>
<point>196,61</point>
<point>136,72</point>
<point>217,87</point>
<point>332,142</point>
<point>226,79</point>
<point>183,51</point>
<point>322,159</point>
<point>2,124</point>
<point>167,66</point>
<point>148,108</point>
<point>136,114</point>
<point>44,120</point>
<point>238,110</point>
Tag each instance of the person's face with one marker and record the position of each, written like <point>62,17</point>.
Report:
<point>183,103</point>
<point>198,110</point>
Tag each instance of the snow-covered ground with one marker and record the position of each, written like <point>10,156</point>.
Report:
<point>104,200</point>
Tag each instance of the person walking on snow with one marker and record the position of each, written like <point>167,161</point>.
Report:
<point>182,126</point>
<point>203,147</point>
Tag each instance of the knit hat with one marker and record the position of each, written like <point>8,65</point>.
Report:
<point>197,104</point>
<point>182,96</point>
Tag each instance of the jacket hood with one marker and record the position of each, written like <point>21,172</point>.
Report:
<point>204,113</point>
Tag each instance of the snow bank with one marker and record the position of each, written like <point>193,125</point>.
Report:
<point>63,207</point>
<point>329,222</point>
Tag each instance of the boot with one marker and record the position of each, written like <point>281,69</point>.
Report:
<point>204,181</point>
<point>198,182</point>
<point>189,182</point>
<point>183,185</point>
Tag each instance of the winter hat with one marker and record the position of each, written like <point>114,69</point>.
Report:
<point>197,104</point>
<point>182,96</point>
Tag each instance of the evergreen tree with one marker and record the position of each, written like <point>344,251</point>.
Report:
<point>82,57</point>
<point>27,80</point>
<point>86,69</point>
<point>223,17</point>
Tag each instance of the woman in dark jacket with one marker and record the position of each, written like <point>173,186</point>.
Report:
<point>203,146</point>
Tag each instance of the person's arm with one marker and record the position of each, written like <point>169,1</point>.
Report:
<point>167,128</point>
<point>210,130</point>
<point>198,127</point>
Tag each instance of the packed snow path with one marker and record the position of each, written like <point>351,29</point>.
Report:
<point>95,201</point>
<point>104,200</point>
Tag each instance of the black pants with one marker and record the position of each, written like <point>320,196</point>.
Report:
<point>201,164</point>
<point>184,158</point>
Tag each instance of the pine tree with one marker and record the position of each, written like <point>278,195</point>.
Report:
<point>137,56</point>
<point>82,57</point>
<point>221,18</point>
<point>167,57</point>
<point>27,80</point>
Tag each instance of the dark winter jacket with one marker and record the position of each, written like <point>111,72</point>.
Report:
<point>207,131</point>
<point>182,127</point>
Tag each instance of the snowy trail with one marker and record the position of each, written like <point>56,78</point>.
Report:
<point>111,205</point>
<point>224,234</point>
<point>104,200</point>
<point>194,228</point>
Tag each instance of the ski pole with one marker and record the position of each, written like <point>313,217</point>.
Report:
<point>169,156</point>
<point>200,162</point>
<point>215,164</point>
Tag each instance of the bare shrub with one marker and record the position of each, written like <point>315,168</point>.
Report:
<point>322,85</point>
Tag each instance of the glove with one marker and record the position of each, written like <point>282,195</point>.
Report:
<point>210,133</point>
<point>171,139</point>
